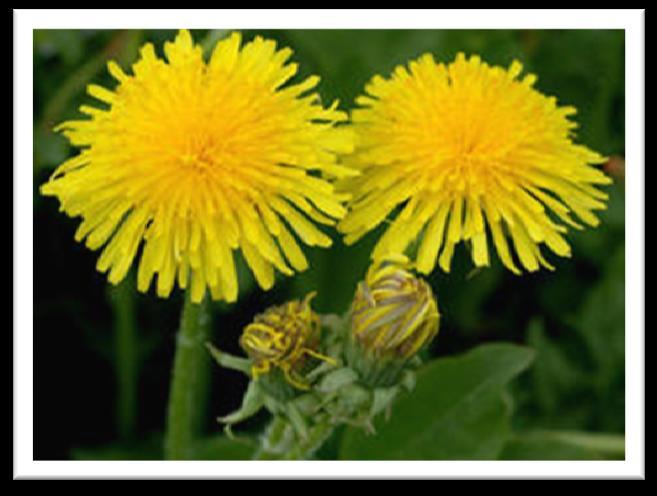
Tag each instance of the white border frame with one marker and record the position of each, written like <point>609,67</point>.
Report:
<point>632,21</point>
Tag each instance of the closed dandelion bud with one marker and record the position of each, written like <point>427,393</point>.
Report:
<point>283,338</point>
<point>394,314</point>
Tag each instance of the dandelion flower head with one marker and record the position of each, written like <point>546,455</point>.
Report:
<point>190,160</point>
<point>468,152</point>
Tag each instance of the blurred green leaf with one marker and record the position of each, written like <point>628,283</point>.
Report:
<point>50,148</point>
<point>457,410</point>
<point>65,43</point>
<point>560,445</point>
<point>542,449</point>
<point>577,381</point>
<point>223,448</point>
<point>603,331</point>
<point>585,68</point>
<point>553,372</point>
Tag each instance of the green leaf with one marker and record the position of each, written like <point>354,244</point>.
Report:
<point>564,445</point>
<point>252,402</point>
<point>50,148</point>
<point>223,448</point>
<point>457,411</point>
<point>577,382</point>
<point>65,43</point>
<point>229,361</point>
<point>604,331</point>
<point>553,374</point>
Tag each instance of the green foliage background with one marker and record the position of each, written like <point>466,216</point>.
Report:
<point>103,355</point>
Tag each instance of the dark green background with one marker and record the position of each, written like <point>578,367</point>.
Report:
<point>96,397</point>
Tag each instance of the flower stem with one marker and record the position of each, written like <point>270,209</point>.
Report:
<point>188,380</point>
<point>317,436</point>
<point>280,442</point>
<point>273,443</point>
<point>125,348</point>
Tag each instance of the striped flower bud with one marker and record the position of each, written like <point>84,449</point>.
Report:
<point>284,337</point>
<point>394,314</point>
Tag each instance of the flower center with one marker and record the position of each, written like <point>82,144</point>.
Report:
<point>198,161</point>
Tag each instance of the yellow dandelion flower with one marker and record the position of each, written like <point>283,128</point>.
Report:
<point>469,151</point>
<point>200,159</point>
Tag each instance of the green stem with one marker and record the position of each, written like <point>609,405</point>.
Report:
<point>306,448</point>
<point>281,442</point>
<point>188,380</point>
<point>125,353</point>
<point>273,442</point>
<point>211,39</point>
